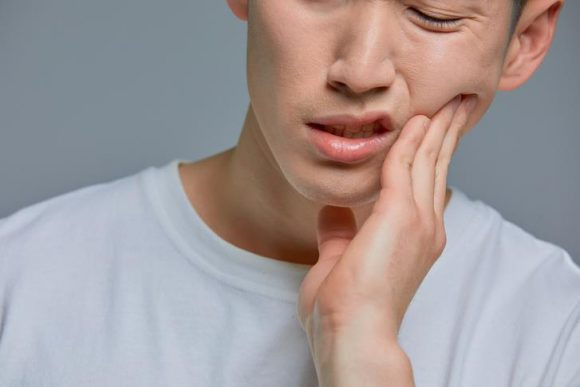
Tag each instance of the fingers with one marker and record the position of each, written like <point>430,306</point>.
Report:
<point>396,170</point>
<point>446,153</point>
<point>423,176</point>
<point>416,167</point>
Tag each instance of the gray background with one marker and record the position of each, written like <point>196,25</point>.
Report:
<point>91,91</point>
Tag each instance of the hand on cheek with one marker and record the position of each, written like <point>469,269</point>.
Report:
<point>420,162</point>
<point>360,288</point>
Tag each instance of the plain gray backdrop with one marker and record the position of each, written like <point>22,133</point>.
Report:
<point>92,91</point>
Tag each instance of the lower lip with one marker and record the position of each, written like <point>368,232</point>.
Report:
<point>348,150</point>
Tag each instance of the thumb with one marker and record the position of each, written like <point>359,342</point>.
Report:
<point>336,228</point>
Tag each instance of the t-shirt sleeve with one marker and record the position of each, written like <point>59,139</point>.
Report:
<point>565,365</point>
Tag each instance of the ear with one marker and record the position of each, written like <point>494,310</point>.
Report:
<point>530,43</point>
<point>239,8</point>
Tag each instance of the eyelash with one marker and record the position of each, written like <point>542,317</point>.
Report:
<point>434,22</point>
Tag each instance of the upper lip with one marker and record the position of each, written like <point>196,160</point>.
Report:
<point>356,120</point>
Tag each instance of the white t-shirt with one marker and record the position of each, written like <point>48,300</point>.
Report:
<point>123,284</point>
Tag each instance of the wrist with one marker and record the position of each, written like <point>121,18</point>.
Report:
<point>376,362</point>
<point>361,349</point>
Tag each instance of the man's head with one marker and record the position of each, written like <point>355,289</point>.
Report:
<point>312,58</point>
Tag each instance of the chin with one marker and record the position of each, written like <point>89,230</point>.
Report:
<point>354,193</point>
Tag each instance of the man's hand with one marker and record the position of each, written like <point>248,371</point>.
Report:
<point>353,300</point>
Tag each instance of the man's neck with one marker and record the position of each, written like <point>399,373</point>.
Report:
<point>242,195</point>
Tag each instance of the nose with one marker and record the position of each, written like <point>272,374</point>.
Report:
<point>365,60</point>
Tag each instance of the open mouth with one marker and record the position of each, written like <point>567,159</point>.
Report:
<point>351,131</point>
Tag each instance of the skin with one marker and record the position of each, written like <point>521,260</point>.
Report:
<point>272,194</point>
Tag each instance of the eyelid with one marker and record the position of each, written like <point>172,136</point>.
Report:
<point>442,24</point>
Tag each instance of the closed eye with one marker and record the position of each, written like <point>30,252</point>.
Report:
<point>435,22</point>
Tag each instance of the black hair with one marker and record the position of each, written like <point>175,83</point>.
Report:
<point>517,7</point>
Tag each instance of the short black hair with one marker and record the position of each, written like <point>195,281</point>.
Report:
<point>517,7</point>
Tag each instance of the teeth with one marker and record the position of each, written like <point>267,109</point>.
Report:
<point>368,128</point>
<point>351,131</point>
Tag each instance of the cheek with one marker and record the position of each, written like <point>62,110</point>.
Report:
<point>284,56</point>
<point>438,70</point>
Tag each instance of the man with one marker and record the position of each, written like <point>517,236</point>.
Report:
<point>325,248</point>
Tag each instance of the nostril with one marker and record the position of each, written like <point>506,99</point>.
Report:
<point>340,86</point>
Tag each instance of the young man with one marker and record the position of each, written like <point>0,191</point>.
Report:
<point>325,248</point>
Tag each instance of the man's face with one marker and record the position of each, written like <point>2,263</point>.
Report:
<point>313,58</point>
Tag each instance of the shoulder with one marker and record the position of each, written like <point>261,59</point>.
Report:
<point>524,255</point>
<point>60,212</point>
<point>526,291</point>
<point>61,262</point>
<point>507,265</point>
<point>61,227</point>
<point>503,246</point>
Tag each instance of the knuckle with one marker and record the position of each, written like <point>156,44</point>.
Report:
<point>430,154</point>
<point>443,161</point>
<point>404,160</point>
